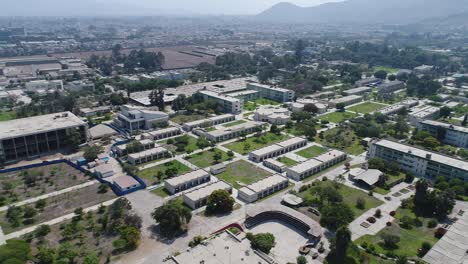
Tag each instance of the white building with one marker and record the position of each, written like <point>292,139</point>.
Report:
<point>347,100</point>
<point>358,91</point>
<point>162,133</point>
<point>263,188</point>
<point>417,161</point>
<point>44,85</point>
<point>452,135</point>
<point>226,133</point>
<point>186,181</point>
<point>275,115</point>
<point>104,170</point>
<point>277,149</point>
<point>427,112</point>
<point>315,165</point>
<point>198,198</point>
<point>81,85</point>
<point>394,109</point>
<point>212,121</point>
<point>122,149</point>
<point>273,93</point>
<point>392,86</point>
<point>230,104</point>
<point>134,119</point>
<point>147,155</point>
<point>274,165</point>
<point>302,102</point>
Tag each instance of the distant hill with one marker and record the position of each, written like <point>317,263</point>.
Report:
<point>365,11</point>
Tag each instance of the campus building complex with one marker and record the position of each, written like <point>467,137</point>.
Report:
<point>31,137</point>
<point>273,115</point>
<point>347,100</point>
<point>273,93</point>
<point>147,155</point>
<point>212,121</point>
<point>391,86</point>
<point>227,133</point>
<point>134,119</point>
<point>417,161</point>
<point>448,133</point>
<point>315,165</point>
<point>263,188</point>
<point>186,181</point>
<point>230,104</point>
<point>198,198</point>
<point>424,113</point>
<point>277,149</point>
<point>162,133</point>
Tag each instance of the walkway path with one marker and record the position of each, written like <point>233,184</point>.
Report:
<point>55,221</point>
<point>48,195</point>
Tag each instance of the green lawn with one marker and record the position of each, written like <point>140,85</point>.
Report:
<point>311,152</point>
<point>243,172</point>
<point>366,107</point>
<point>5,116</point>
<point>149,175</point>
<point>337,117</point>
<point>234,123</point>
<point>161,192</point>
<point>410,239</point>
<point>254,143</point>
<point>250,106</point>
<point>265,101</point>
<point>209,129</point>
<point>181,119</point>
<point>287,161</point>
<point>350,196</point>
<point>389,70</point>
<point>190,147</point>
<point>343,139</point>
<point>206,158</point>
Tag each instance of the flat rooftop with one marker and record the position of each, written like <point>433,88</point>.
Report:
<point>306,165</point>
<point>147,153</point>
<point>239,127</point>
<point>330,155</point>
<point>422,154</point>
<point>39,124</point>
<point>206,190</point>
<point>187,177</point>
<point>346,99</point>
<point>266,183</point>
<point>446,125</point>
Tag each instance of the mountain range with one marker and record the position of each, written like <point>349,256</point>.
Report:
<point>365,11</point>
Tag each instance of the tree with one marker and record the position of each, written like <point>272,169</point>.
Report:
<point>262,241</point>
<point>172,217</point>
<point>431,142</point>
<point>157,98</point>
<point>217,156</point>
<point>219,201</point>
<point>73,139</point>
<point>91,153</point>
<point>179,103</point>
<point>15,251</point>
<point>390,241</point>
<point>377,164</point>
<point>301,260</point>
<point>392,77</point>
<point>340,107</point>
<point>91,258</point>
<point>134,146</point>
<point>445,112</point>
<point>310,132</point>
<point>299,50</point>
<point>46,255</point>
<point>336,215</point>
<point>360,203</point>
<point>230,154</point>
<point>380,74</point>
<point>312,108</point>
<point>42,231</point>
<point>401,126</point>
<point>274,129</point>
<point>340,244</point>
<point>132,236</point>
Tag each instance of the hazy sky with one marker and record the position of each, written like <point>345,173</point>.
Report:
<point>226,6</point>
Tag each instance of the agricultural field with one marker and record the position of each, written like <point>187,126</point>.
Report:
<point>241,173</point>
<point>21,185</point>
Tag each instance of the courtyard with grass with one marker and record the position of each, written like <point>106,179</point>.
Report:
<point>389,70</point>
<point>265,101</point>
<point>185,118</point>
<point>207,158</point>
<point>242,173</point>
<point>158,173</point>
<point>311,152</point>
<point>342,138</point>
<point>410,238</point>
<point>180,145</point>
<point>287,161</point>
<point>337,117</point>
<point>253,143</point>
<point>350,196</point>
<point>234,123</point>
<point>161,192</point>
<point>367,107</point>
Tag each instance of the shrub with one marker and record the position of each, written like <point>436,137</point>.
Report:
<point>425,247</point>
<point>301,260</point>
<point>42,231</point>
<point>360,203</point>
<point>371,220</point>
<point>392,213</point>
<point>390,241</point>
<point>262,241</point>
<point>378,213</point>
<point>432,223</point>
<point>119,244</point>
<point>196,241</point>
<point>406,222</point>
<point>389,223</point>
